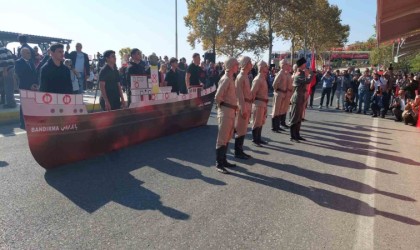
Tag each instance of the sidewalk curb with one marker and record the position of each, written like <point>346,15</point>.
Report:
<point>90,107</point>
<point>9,116</point>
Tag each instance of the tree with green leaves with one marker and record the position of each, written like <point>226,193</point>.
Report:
<point>415,63</point>
<point>124,53</point>
<point>220,25</point>
<point>203,19</point>
<point>381,55</point>
<point>266,19</point>
<point>368,45</point>
<point>316,24</point>
<point>233,39</point>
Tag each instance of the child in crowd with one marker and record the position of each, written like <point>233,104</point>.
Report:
<point>398,105</point>
<point>376,102</point>
<point>411,112</point>
<point>349,103</point>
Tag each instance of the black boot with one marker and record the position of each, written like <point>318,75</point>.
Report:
<point>242,147</point>
<point>259,137</point>
<point>239,153</point>
<point>255,137</point>
<point>225,162</point>
<point>278,123</point>
<point>220,160</point>
<point>293,133</point>
<point>283,121</point>
<point>298,132</point>
<point>274,126</point>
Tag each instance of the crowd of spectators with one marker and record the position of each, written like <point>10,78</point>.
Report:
<point>378,93</point>
<point>375,92</point>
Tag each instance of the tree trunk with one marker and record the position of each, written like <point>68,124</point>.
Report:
<point>214,50</point>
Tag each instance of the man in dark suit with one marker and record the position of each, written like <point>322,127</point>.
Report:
<point>23,40</point>
<point>26,72</point>
<point>80,64</point>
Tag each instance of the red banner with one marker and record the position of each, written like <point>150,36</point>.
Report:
<point>313,82</point>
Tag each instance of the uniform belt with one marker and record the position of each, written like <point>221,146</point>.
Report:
<point>283,91</point>
<point>261,99</point>
<point>248,100</point>
<point>227,105</point>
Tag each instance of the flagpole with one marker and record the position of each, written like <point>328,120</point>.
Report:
<point>176,29</point>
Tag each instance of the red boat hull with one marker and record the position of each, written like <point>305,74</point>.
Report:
<point>59,140</point>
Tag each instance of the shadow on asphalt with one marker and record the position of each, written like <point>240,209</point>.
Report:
<point>322,197</point>
<point>354,149</point>
<point>3,164</point>
<point>343,140</point>
<point>332,180</point>
<point>93,183</point>
<point>334,132</point>
<point>380,128</point>
<point>328,159</point>
<point>349,127</point>
<point>7,130</point>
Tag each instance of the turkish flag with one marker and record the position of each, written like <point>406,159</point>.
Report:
<point>313,82</point>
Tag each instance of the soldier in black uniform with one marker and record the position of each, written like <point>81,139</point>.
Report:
<point>300,80</point>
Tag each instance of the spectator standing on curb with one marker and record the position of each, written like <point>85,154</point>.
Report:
<point>80,64</point>
<point>7,62</point>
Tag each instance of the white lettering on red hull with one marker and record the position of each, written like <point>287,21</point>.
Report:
<point>69,127</point>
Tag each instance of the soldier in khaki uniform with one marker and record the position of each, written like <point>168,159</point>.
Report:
<point>280,91</point>
<point>244,101</point>
<point>301,78</point>
<point>226,102</point>
<point>259,110</point>
<point>286,101</point>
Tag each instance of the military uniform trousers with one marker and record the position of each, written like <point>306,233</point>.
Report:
<point>226,121</point>
<point>278,99</point>
<point>241,124</point>
<point>259,114</point>
<point>296,111</point>
<point>285,103</point>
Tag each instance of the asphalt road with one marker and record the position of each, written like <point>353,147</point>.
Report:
<point>355,184</point>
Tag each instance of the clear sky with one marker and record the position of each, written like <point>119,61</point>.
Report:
<point>147,25</point>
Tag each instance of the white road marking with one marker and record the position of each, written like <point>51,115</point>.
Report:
<point>366,219</point>
<point>317,98</point>
<point>13,134</point>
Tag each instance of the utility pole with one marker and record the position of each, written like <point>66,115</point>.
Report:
<point>176,29</point>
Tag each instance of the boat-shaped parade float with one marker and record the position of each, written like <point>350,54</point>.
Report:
<point>60,129</point>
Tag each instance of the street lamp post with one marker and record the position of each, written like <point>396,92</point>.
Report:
<point>176,28</point>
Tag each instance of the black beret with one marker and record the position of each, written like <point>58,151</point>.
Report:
<point>301,61</point>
